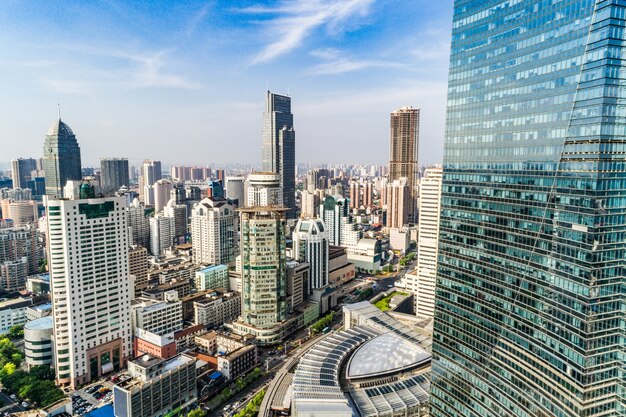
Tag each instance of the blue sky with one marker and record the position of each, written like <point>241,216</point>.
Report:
<point>184,82</point>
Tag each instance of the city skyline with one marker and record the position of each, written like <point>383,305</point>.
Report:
<point>128,87</point>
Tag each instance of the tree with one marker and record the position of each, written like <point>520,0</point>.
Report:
<point>240,384</point>
<point>197,412</point>
<point>16,331</point>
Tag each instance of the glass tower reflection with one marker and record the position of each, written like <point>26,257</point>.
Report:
<point>529,315</point>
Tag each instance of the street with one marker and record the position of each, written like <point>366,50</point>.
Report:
<point>10,406</point>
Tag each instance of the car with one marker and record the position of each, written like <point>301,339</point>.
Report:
<point>13,397</point>
<point>25,404</point>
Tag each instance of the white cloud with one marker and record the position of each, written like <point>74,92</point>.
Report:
<point>297,19</point>
<point>150,74</point>
<point>343,65</point>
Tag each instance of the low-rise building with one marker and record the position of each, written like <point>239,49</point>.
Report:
<point>216,308</point>
<point>206,343</point>
<point>229,342</point>
<point>184,338</point>
<point>366,254</point>
<point>157,387</point>
<point>160,346</point>
<point>159,317</point>
<point>13,313</point>
<point>38,342</point>
<point>188,304</point>
<point>340,270</point>
<point>212,277</point>
<point>38,284</point>
<point>38,311</point>
<point>238,363</point>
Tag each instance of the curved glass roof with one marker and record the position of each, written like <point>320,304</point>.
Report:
<point>387,353</point>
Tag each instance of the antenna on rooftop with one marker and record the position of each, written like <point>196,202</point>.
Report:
<point>59,106</point>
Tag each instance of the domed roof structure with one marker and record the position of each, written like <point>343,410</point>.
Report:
<point>59,128</point>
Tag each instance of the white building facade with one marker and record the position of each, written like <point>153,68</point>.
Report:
<point>422,281</point>
<point>310,244</point>
<point>88,259</point>
<point>214,224</point>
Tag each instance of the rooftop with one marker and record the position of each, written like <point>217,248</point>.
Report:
<point>15,303</point>
<point>59,128</point>
<point>393,354</point>
<point>39,324</point>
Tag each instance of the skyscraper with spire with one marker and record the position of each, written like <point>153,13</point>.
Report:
<point>279,146</point>
<point>61,158</point>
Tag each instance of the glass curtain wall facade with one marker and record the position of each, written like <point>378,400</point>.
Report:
<point>279,146</point>
<point>263,266</point>
<point>61,158</point>
<point>529,311</point>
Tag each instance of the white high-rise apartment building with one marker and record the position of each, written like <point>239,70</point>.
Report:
<point>422,280</point>
<point>88,258</point>
<point>310,244</point>
<point>264,189</point>
<point>151,174</point>
<point>342,230</point>
<point>162,232</point>
<point>214,225</point>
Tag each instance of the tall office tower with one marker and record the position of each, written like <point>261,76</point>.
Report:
<point>19,256</point>
<point>403,152</point>
<point>263,272</point>
<point>527,309</point>
<point>235,190</point>
<point>279,146</point>
<point>61,158</point>
<point>178,212</point>
<point>138,224</point>
<point>162,190</point>
<point>398,200</point>
<point>220,175</point>
<point>422,281</point>
<point>114,174</point>
<point>88,259</point>
<point>21,171</point>
<point>355,194</point>
<point>310,244</point>
<point>214,225</point>
<point>162,231</point>
<point>342,230</point>
<point>264,190</point>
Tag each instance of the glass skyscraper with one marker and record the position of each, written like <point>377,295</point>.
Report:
<point>279,146</point>
<point>529,310</point>
<point>61,158</point>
